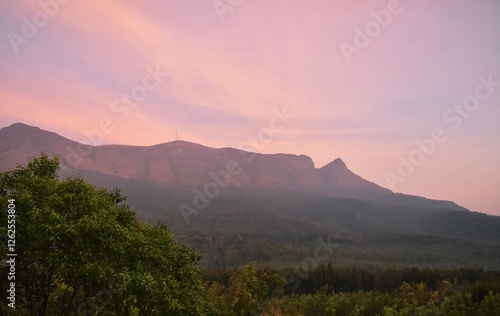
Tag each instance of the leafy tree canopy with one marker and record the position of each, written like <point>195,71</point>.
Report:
<point>81,251</point>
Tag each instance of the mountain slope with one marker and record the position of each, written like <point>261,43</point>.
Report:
<point>274,209</point>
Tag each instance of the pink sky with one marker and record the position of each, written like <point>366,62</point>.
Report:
<point>228,71</point>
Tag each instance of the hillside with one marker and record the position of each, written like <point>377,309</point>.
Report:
<point>236,206</point>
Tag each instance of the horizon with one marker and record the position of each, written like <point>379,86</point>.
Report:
<point>405,92</point>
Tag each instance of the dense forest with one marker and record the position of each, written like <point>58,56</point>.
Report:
<point>80,250</point>
<point>327,291</point>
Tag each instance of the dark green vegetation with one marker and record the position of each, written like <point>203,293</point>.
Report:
<point>82,251</point>
<point>281,228</point>
<point>326,292</point>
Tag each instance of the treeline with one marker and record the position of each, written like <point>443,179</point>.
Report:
<point>352,280</point>
<point>329,291</point>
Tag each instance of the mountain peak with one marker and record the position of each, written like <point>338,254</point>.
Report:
<point>336,164</point>
<point>339,162</point>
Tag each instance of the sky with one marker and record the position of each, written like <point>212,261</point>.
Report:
<point>406,92</point>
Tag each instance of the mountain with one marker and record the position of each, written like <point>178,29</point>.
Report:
<point>236,206</point>
<point>181,164</point>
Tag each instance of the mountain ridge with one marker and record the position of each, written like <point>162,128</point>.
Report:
<point>187,165</point>
<point>24,135</point>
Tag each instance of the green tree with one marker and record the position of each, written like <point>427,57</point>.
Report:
<point>243,295</point>
<point>81,251</point>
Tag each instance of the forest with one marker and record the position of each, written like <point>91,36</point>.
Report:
<point>329,291</point>
<point>80,250</point>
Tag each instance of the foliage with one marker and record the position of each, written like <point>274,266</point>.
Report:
<point>410,300</point>
<point>245,290</point>
<point>80,250</point>
<point>465,296</point>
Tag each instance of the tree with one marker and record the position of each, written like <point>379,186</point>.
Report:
<point>246,291</point>
<point>81,251</point>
